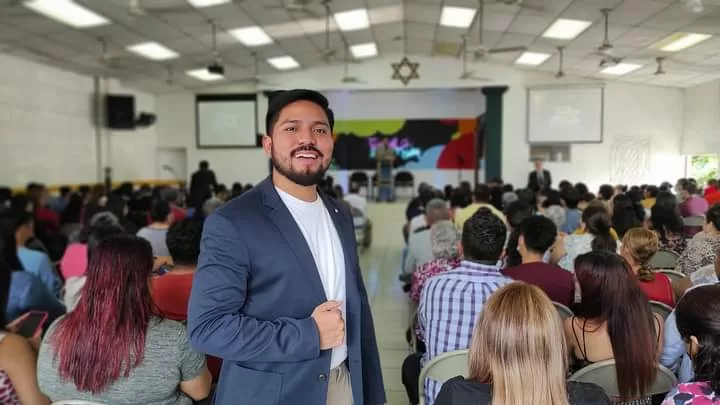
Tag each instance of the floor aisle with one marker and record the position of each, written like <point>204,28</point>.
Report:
<point>380,264</point>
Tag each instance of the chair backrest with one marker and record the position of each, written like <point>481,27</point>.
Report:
<point>694,221</point>
<point>603,374</point>
<point>663,259</point>
<point>443,368</point>
<point>564,311</point>
<point>674,276</point>
<point>361,178</point>
<point>661,309</point>
<point>404,177</point>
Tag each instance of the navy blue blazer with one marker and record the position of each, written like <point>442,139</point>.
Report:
<point>253,293</point>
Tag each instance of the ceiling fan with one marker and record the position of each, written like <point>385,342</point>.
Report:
<point>347,79</point>
<point>480,50</point>
<point>520,3</point>
<point>468,74</point>
<point>561,72</point>
<point>255,78</point>
<point>297,6</point>
<point>606,49</point>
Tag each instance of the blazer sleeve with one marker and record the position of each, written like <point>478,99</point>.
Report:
<point>549,178</point>
<point>530,182</point>
<point>374,388</point>
<point>216,323</point>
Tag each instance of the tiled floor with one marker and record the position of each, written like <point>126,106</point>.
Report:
<point>381,264</point>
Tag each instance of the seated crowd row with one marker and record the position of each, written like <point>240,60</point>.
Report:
<point>590,254</point>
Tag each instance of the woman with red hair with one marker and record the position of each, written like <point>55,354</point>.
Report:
<point>111,348</point>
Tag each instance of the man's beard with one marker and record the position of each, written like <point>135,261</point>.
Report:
<point>302,179</point>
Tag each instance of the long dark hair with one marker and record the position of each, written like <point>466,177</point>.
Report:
<point>665,222</point>
<point>624,216</point>
<point>73,210</point>
<point>698,314</point>
<point>103,339</point>
<point>611,294</point>
<point>9,255</point>
<point>597,223</point>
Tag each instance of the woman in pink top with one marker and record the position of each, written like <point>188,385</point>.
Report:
<point>74,261</point>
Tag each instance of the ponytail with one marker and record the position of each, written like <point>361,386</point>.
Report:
<point>646,273</point>
<point>599,226</point>
<point>706,362</point>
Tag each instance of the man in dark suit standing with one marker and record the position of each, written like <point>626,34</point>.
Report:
<point>202,184</point>
<point>278,293</point>
<point>539,179</point>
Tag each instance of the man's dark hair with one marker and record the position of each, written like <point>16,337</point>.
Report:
<point>204,164</point>
<point>482,193</point>
<point>183,242</point>
<point>483,236</point>
<point>539,233</point>
<point>508,188</point>
<point>159,210</point>
<point>565,186</point>
<point>281,99</point>
<point>691,188</point>
<point>64,190</point>
<point>587,197</point>
<point>517,211</point>
<point>100,232</point>
<point>606,192</point>
<point>581,188</point>
<point>652,191</point>
<point>571,199</point>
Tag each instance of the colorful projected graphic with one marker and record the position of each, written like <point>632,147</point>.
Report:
<point>447,143</point>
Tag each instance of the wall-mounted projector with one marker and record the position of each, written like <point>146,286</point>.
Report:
<point>216,69</point>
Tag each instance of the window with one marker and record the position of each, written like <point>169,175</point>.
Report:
<point>703,168</point>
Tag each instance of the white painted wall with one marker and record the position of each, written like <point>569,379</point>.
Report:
<point>631,112</point>
<point>702,119</point>
<point>47,129</point>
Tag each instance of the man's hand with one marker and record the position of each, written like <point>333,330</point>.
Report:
<point>330,324</point>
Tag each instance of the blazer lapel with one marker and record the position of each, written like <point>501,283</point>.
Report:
<point>287,226</point>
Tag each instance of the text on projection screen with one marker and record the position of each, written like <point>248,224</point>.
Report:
<point>565,115</point>
<point>226,123</point>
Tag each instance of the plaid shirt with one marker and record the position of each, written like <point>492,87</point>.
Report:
<point>449,306</point>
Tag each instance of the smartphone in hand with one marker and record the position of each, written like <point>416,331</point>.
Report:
<point>30,324</point>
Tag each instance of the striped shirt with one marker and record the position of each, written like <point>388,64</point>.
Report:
<point>449,306</point>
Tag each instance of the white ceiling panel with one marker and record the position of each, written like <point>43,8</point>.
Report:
<point>527,24</point>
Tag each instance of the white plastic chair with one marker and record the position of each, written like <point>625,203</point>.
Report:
<point>661,309</point>
<point>674,276</point>
<point>443,368</point>
<point>694,221</point>
<point>663,259</point>
<point>604,375</point>
<point>564,311</point>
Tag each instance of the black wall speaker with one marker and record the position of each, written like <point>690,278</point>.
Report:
<point>120,111</point>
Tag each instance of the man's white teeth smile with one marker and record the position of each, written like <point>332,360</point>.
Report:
<point>307,155</point>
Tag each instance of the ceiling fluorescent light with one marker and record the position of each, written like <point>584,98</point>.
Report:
<point>681,40</point>
<point>204,75</point>
<point>207,3</point>
<point>251,36</point>
<point>459,17</point>
<point>153,50</point>
<point>564,28</point>
<point>364,50</point>
<point>283,62</point>
<point>532,58</point>
<point>67,12</point>
<point>352,20</point>
<point>621,69</point>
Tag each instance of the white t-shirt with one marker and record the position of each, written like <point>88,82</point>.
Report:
<point>322,238</point>
<point>357,202</point>
<point>417,222</point>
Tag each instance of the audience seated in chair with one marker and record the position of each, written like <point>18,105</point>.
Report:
<point>445,247</point>
<point>27,291</point>
<point>481,199</point>
<point>171,291</point>
<point>692,203</point>
<point>638,247</point>
<point>112,348</point>
<point>668,225</point>
<point>74,261</point>
<point>625,216</point>
<point>34,261</point>
<point>100,230</point>
<point>573,214</point>
<point>507,367</point>
<point>613,321</point>
<point>18,355</point>
<point>709,274</point>
<point>457,296</point>
<point>536,236</point>
<point>552,207</point>
<point>698,323</point>
<point>701,249</point>
<point>155,233</point>
<point>419,241</point>
<point>596,235</point>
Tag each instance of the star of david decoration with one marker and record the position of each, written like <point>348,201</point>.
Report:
<point>405,70</point>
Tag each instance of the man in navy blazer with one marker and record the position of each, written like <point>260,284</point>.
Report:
<point>278,293</point>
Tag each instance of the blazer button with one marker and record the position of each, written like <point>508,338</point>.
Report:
<point>322,377</point>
